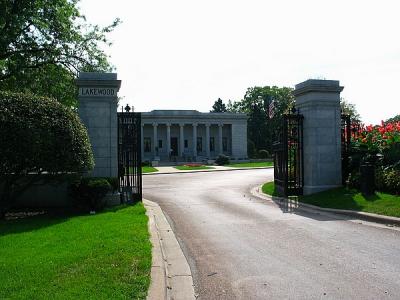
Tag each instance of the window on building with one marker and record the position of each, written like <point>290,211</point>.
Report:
<point>212,144</point>
<point>199,145</point>
<point>186,144</point>
<point>147,144</point>
<point>159,144</point>
<point>224,144</point>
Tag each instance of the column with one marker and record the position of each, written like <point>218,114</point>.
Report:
<point>221,151</point>
<point>155,139</point>
<point>194,140</point>
<point>168,139</point>
<point>181,140</point>
<point>98,112</point>
<point>208,141</point>
<point>319,102</point>
<point>142,140</point>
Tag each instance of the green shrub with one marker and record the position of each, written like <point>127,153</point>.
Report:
<point>89,192</point>
<point>38,135</point>
<point>222,160</point>
<point>113,181</point>
<point>263,153</point>
<point>146,163</point>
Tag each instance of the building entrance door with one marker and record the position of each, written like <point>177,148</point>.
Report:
<point>174,146</point>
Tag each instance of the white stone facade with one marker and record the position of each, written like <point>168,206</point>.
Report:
<point>189,135</point>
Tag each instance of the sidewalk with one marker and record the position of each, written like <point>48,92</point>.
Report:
<point>172,170</point>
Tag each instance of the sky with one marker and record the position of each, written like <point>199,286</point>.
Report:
<point>185,54</point>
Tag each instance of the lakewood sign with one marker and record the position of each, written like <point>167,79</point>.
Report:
<point>97,92</point>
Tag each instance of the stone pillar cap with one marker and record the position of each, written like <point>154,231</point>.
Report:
<point>317,85</point>
<point>98,79</point>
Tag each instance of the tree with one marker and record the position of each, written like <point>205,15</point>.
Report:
<point>349,109</point>
<point>41,139</point>
<point>394,119</point>
<point>218,106</point>
<point>262,129</point>
<point>44,41</point>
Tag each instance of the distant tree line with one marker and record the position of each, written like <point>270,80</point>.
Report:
<point>265,107</point>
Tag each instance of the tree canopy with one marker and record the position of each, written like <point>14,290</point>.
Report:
<point>256,103</point>
<point>48,41</point>
<point>350,109</point>
<point>219,106</point>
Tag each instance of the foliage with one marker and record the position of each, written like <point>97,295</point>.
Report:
<point>379,144</point>
<point>89,192</point>
<point>262,129</point>
<point>222,160</point>
<point>218,106</point>
<point>48,41</point>
<point>388,179</point>
<point>350,110</point>
<point>102,256</point>
<point>38,136</point>
<point>114,183</point>
<point>263,153</point>
<point>394,119</point>
<point>251,149</point>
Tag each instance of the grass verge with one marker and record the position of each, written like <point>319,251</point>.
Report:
<point>149,169</point>
<point>102,256</point>
<point>184,168</point>
<point>350,199</point>
<point>251,164</point>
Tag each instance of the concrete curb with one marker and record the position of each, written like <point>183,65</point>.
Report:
<point>171,277</point>
<point>370,217</point>
<point>206,170</point>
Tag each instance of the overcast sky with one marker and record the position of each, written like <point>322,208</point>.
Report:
<point>184,54</point>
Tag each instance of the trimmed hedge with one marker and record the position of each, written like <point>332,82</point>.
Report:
<point>89,192</point>
<point>38,135</point>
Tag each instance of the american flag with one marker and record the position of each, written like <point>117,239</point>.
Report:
<point>271,109</point>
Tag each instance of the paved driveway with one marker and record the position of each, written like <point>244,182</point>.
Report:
<point>241,247</point>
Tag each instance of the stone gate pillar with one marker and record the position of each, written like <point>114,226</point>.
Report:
<point>319,102</point>
<point>97,108</point>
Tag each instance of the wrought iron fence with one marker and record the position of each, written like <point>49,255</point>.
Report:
<point>129,156</point>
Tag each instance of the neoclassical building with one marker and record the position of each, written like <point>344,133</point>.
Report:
<point>189,135</point>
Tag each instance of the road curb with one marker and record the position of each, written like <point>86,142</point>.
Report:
<point>171,277</point>
<point>205,171</point>
<point>370,217</point>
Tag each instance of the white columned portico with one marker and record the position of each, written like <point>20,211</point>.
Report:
<point>155,139</point>
<point>221,151</point>
<point>181,139</point>
<point>194,140</point>
<point>168,139</point>
<point>208,140</point>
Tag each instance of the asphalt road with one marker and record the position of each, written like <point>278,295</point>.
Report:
<point>242,247</point>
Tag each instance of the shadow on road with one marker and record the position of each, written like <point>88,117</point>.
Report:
<point>292,206</point>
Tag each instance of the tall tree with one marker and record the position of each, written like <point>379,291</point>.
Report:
<point>219,106</point>
<point>256,103</point>
<point>45,43</point>
<point>349,109</point>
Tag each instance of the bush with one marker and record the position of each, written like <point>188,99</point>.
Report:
<point>388,180</point>
<point>222,160</point>
<point>113,181</point>
<point>39,135</point>
<point>89,193</point>
<point>146,163</point>
<point>263,153</point>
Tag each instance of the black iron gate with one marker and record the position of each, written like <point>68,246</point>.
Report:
<point>346,144</point>
<point>129,155</point>
<point>288,156</point>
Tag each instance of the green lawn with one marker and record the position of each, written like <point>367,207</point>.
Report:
<point>149,169</point>
<point>251,164</point>
<point>102,256</point>
<point>193,167</point>
<point>343,198</point>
